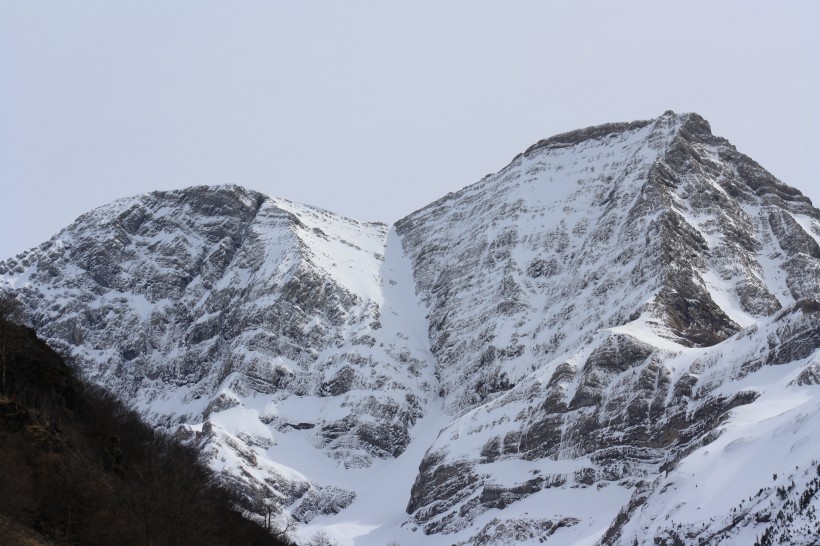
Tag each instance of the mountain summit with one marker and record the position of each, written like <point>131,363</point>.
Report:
<point>613,339</point>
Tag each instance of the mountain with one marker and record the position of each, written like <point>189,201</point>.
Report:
<point>611,340</point>
<point>76,467</point>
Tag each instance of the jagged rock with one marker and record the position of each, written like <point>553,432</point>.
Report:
<point>592,331</point>
<point>332,500</point>
<point>498,532</point>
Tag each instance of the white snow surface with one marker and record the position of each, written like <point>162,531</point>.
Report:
<point>327,362</point>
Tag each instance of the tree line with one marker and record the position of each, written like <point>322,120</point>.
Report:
<point>77,467</point>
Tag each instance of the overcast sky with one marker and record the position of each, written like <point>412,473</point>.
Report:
<point>372,109</point>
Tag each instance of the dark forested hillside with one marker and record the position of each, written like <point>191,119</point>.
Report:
<point>78,468</point>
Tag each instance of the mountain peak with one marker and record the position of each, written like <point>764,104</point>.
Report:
<point>566,332</point>
<point>696,124</point>
<point>577,136</point>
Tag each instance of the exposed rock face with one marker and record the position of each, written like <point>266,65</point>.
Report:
<point>598,333</point>
<point>193,303</point>
<point>608,252</point>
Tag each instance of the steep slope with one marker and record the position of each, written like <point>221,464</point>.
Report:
<point>562,351</point>
<point>76,467</point>
<point>613,257</point>
<point>241,321</point>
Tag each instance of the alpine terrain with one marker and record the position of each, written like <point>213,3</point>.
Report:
<point>612,340</point>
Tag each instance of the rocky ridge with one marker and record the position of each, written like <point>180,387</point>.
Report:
<point>573,349</point>
<point>192,304</point>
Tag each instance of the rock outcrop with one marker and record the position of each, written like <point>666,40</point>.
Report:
<point>580,347</point>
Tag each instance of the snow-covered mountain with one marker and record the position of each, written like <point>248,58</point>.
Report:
<point>611,340</point>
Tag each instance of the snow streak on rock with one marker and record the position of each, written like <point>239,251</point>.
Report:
<point>612,339</point>
<point>240,321</point>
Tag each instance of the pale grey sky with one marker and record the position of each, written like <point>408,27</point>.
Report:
<point>371,109</point>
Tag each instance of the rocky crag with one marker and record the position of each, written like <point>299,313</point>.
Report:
<point>613,339</point>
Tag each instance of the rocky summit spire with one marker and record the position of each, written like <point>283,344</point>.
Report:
<point>578,347</point>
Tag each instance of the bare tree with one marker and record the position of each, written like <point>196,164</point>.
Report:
<point>10,311</point>
<point>278,523</point>
<point>320,538</point>
<point>285,530</point>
